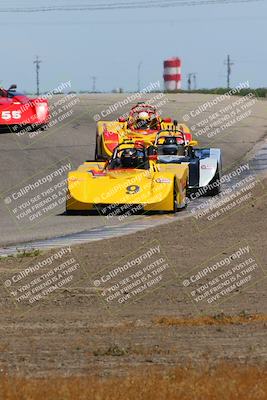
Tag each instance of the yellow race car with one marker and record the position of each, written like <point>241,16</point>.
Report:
<point>142,124</point>
<point>131,179</point>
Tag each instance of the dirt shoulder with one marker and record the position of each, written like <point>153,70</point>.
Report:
<point>75,331</point>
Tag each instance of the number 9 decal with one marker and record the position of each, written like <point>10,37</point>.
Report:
<point>132,189</point>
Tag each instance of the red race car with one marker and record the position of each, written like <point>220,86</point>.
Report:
<point>17,109</point>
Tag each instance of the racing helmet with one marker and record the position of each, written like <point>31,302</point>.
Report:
<point>129,158</point>
<point>143,120</point>
<point>171,147</point>
<point>143,115</point>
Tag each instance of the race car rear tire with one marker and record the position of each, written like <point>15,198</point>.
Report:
<point>216,189</point>
<point>184,205</point>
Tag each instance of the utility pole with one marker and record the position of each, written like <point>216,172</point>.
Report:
<point>139,77</point>
<point>94,84</point>
<point>228,63</point>
<point>195,80</point>
<point>190,76</point>
<point>189,82</point>
<point>37,62</point>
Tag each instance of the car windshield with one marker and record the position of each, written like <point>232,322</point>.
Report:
<point>9,93</point>
<point>164,139</point>
<point>130,159</point>
<point>13,94</point>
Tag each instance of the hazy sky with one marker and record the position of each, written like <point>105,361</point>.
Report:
<point>76,45</point>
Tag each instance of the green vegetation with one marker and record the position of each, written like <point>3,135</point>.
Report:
<point>259,92</point>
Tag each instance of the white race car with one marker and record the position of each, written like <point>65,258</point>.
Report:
<point>205,164</point>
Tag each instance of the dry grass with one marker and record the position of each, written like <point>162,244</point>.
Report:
<point>225,382</point>
<point>220,319</point>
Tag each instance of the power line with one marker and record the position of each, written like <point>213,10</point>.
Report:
<point>134,22</point>
<point>124,5</point>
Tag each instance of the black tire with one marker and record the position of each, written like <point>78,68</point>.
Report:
<point>217,189</point>
<point>175,208</point>
<point>97,155</point>
<point>44,127</point>
<point>184,207</point>
<point>69,212</point>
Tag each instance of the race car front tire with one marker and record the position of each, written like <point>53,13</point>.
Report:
<point>97,155</point>
<point>175,205</point>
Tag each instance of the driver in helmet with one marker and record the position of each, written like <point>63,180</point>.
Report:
<point>143,121</point>
<point>171,147</point>
<point>131,158</point>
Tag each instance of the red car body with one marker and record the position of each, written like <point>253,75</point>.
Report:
<point>18,109</point>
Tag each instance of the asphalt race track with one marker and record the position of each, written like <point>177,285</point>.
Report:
<point>23,159</point>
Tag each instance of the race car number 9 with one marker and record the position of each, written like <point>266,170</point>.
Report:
<point>11,114</point>
<point>132,189</point>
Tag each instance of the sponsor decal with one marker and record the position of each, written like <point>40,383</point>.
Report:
<point>206,166</point>
<point>132,189</point>
<point>163,180</point>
